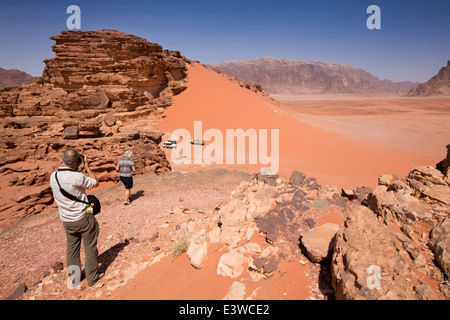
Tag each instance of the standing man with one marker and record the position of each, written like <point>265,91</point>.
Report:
<point>77,223</point>
<point>126,167</point>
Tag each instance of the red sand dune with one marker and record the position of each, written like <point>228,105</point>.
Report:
<point>334,159</point>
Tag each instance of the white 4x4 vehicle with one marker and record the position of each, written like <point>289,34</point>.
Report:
<point>197,141</point>
<point>170,144</point>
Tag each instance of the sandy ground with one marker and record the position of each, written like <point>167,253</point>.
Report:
<point>347,141</point>
<point>140,265</point>
<point>30,247</point>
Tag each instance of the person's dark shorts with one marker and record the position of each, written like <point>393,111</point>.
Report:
<point>127,182</point>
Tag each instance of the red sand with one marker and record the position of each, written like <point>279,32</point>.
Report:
<point>334,159</point>
<point>173,278</point>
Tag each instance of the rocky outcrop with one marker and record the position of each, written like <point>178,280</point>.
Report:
<point>261,224</point>
<point>369,264</point>
<point>13,78</point>
<point>97,82</point>
<point>96,72</point>
<point>278,76</point>
<point>437,85</point>
<point>393,242</point>
<point>387,251</point>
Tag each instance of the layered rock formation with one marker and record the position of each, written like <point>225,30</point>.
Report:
<point>298,77</point>
<point>96,83</point>
<point>393,243</point>
<point>14,78</point>
<point>98,72</point>
<point>437,85</point>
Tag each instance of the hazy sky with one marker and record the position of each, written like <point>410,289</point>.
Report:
<point>412,44</point>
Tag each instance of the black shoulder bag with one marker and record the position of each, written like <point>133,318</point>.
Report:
<point>93,202</point>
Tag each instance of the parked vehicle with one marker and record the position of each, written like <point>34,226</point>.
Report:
<point>198,141</point>
<point>172,144</point>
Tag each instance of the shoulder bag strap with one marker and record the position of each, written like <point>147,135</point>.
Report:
<point>64,192</point>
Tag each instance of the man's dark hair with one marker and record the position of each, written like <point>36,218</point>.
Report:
<point>70,156</point>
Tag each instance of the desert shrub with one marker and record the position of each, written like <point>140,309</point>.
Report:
<point>181,244</point>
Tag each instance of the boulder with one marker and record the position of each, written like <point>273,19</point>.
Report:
<point>18,292</point>
<point>381,201</point>
<point>71,133</point>
<point>387,179</point>
<point>197,250</point>
<point>348,193</point>
<point>297,178</point>
<point>319,242</point>
<point>232,264</point>
<point>109,119</point>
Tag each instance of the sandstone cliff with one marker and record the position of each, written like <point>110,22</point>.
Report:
<point>97,72</point>
<point>437,85</point>
<point>88,92</point>
<point>299,77</point>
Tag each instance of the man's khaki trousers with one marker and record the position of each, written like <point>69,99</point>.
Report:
<point>87,229</point>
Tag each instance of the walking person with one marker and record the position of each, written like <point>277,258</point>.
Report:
<point>78,224</point>
<point>126,167</point>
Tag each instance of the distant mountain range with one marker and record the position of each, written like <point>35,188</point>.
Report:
<point>280,76</point>
<point>13,78</point>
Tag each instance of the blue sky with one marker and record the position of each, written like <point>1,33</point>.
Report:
<point>412,44</point>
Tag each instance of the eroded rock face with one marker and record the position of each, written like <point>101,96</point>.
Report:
<point>25,169</point>
<point>400,244</point>
<point>95,71</point>
<point>97,81</point>
<point>370,264</point>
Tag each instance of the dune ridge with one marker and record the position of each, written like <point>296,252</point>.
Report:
<point>331,158</point>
